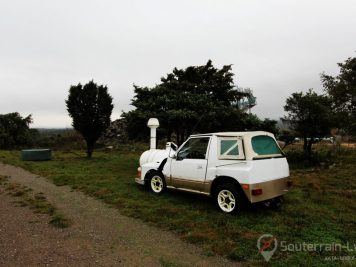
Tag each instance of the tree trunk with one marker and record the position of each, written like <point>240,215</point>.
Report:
<point>189,132</point>
<point>305,145</point>
<point>169,134</point>
<point>309,146</point>
<point>90,149</point>
<point>182,137</point>
<point>178,137</point>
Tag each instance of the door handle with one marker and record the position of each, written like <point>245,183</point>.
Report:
<point>200,167</point>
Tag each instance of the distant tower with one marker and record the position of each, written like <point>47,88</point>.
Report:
<point>247,100</point>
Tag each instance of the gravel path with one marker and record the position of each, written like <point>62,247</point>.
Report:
<point>98,236</point>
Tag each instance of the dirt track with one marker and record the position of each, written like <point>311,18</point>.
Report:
<point>98,236</point>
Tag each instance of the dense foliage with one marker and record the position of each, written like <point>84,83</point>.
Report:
<point>195,99</point>
<point>342,89</point>
<point>14,130</point>
<point>90,106</point>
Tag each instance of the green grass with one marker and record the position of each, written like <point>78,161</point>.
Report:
<point>58,220</point>
<point>320,208</point>
<point>165,263</point>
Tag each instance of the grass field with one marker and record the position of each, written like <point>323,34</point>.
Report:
<point>321,208</point>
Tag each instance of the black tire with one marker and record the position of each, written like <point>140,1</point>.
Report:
<point>232,202</point>
<point>157,183</point>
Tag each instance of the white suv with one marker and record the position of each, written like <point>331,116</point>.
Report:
<point>231,167</point>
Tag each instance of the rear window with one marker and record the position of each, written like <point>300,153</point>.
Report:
<point>265,145</point>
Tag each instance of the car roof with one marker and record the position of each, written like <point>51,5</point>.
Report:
<point>249,133</point>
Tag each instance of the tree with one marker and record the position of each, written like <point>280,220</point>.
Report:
<point>342,89</point>
<point>250,122</point>
<point>14,130</point>
<point>90,107</point>
<point>195,99</point>
<point>287,136</point>
<point>309,115</point>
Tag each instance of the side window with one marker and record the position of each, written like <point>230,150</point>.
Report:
<point>265,145</point>
<point>230,148</point>
<point>195,148</point>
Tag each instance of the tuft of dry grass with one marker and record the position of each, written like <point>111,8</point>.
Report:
<point>35,201</point>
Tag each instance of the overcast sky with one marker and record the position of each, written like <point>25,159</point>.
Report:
<point>276,48</point>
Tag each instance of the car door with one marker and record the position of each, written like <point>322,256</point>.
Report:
<point>188,168</point>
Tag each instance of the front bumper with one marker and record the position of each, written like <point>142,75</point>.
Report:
<point>139,181</point>
<point>270,189</point>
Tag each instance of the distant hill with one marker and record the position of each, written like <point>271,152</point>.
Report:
<point>54,130</point>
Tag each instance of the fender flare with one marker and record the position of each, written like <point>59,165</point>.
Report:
<point>159,169</point>
<point>161,166</point>
<point>225,179</point>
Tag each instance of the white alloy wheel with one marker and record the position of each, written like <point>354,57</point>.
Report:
<point>226,200</point>
<point>157,184</point>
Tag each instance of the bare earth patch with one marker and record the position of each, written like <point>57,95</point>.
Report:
<point>98,234</point>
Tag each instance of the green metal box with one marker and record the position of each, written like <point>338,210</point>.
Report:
<point>36,154</point>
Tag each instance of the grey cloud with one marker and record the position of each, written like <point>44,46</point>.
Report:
<point>276,47</point>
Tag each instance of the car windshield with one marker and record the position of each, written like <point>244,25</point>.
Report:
<point>264,145</point>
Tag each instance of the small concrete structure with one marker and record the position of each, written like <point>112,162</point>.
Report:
<point>153,124</point>
<point>36,154</point>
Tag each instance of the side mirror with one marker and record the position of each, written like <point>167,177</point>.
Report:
<point>171,146</point>
<point>176,157</point>
<point>174,146</point>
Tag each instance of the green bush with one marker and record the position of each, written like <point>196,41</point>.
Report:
<point>14,130</point>
<point>322,157</point>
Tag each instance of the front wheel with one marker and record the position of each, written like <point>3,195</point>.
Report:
<point>157,183</point>
<point>228,199</point>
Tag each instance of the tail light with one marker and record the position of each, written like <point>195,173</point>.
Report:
<point>139,172</point>
<point>257,192</point>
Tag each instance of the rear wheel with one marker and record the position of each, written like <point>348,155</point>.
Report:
<point>157,183</point>
<point>228,198</point>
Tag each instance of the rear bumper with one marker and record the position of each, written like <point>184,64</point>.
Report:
<point>270,189</point>
<point>139,181</point>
